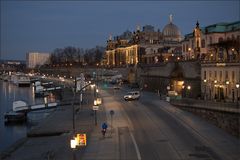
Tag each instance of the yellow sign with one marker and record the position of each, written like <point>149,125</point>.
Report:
<point>81,139</point>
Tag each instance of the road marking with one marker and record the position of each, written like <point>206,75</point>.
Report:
<point>136,146</point>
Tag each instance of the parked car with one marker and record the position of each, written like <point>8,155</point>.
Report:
<point>134,95</point>
<point>116,87</point>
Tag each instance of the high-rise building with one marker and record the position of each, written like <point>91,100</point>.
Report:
<point>34,59</point>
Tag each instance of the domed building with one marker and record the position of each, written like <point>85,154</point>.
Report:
<point>146,46</point>
<point>171,32</point>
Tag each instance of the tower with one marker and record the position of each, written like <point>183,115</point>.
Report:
<point>197,40</point>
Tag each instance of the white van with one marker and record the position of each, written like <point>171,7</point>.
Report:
<point>134,95</point>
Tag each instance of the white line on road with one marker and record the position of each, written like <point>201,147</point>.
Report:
<point>136,146</point>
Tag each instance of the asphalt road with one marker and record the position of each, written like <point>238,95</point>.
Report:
<point>160,135</point>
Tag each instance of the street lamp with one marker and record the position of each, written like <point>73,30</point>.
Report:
<point>188,88</point>
<point>205,88</point>
<point>227,83</point>
<point>189,52</point>
<point>237,86</point>
<point>97,92</point>
<point>95,108</point>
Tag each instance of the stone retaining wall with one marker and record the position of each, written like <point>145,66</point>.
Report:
<point>229,121</point>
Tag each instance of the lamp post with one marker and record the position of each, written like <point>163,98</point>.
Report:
<point>205,89</point>
<point>73,101</point>
<point>237,86</point>
<point>189,53</point>
<point>227,83</point>
<point>183,91</point>
<point>188,88</point>
<point>95,108</point>
<point>97,92</point>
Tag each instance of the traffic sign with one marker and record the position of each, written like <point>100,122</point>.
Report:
<point>111,112</point>
<point>95,108</point>
<point>81,139</point>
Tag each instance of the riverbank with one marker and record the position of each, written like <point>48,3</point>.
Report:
<point>51,138</point>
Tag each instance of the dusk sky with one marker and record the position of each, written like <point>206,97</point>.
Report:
<point>42,26</point>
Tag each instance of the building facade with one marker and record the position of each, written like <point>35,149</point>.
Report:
<point>220,61</point>
<point>145,46</point>
<point>204,43</point>
<point>220,81</point>
<point>34,59</point>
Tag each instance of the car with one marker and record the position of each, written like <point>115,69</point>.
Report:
<point>116,87</point>
<point>134,95</point>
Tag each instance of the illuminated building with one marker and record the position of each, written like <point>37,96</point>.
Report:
<point>219,51</point>
<point>203,43</point>
<point>144,47</point>
<point>34,59</point>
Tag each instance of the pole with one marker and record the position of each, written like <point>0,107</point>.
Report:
<point>95,113</point>
<point>73,108</point>
<point>237,97</point>
<point>80,101</point>
<point>111,125</point>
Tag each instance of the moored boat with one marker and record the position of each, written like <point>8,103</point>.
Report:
<point>14,117</point>
<point>24,81</point>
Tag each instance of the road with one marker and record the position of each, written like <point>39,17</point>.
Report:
<point>153,129</point>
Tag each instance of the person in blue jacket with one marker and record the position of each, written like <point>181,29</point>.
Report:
<point>104,128</point>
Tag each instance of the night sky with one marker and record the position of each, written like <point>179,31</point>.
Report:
<point>42,26</point>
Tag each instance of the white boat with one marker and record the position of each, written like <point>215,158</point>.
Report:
<point>20,106</point>
<point>24,80</point>
<point>14,117</point>
<point>18,113</point>
<point>21,80</point>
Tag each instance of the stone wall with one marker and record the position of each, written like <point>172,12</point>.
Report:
<point>227,119</point>
<point>159,76</point>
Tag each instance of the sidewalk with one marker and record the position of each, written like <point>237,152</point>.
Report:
<point>215,137</point>
<point>118,142</point>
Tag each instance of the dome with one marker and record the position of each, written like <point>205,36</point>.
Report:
<point>171,30</point>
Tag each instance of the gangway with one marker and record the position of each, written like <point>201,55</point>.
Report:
<point>20,110</point>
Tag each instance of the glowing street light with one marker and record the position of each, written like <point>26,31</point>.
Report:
<point>237,86</point>
<point>227,82</point>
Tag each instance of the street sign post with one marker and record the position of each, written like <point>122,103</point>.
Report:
<point>95,108</point>
<point>111,114</point>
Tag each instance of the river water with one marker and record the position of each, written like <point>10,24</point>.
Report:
<point>9,93</point>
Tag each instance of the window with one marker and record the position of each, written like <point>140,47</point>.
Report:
<point>210,74</point>
<point>220,39</point>
<point>210,40</point>
<point>233,76</point>
<point>205,74</point>
<point>215,74</point>
<point>226,75</point>
<point>233,37</point>
<point>203,43</point>
<point>220,76</point>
